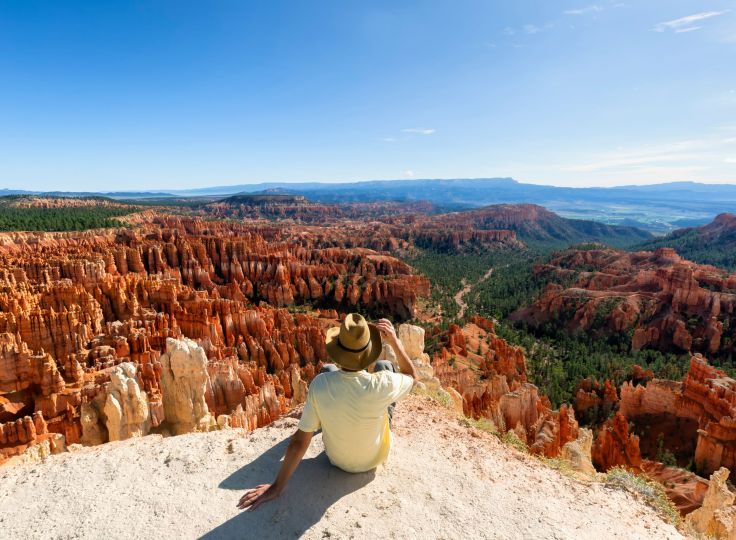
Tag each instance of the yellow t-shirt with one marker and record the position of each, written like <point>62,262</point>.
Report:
<point>352,409</point>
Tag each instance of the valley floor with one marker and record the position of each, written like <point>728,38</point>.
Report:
<point>443,480</point>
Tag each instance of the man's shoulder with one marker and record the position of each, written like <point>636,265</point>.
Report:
<point>389,377</point>
<point>322,379</point>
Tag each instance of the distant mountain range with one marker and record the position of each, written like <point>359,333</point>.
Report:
<point>658,208</point>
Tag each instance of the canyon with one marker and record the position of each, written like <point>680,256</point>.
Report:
<point>180,324</point>
<point>428,225</point>
<point>689,424</point>
<point>92,326</point>
<point>176,323</point>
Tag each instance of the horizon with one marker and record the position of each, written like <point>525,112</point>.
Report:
<point>176,96</point>
<point>341,183</point>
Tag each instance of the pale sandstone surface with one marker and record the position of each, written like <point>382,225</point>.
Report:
<point>717,516</point>
<point>442,481</point>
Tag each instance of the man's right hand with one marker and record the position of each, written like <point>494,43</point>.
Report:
<point>389,334</point>
<point>387,330</point>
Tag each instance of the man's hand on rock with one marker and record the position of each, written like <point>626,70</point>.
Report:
<point>388,333</point>
<point>255,497</point>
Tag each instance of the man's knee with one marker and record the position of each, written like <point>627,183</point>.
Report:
<point>384,365</point>
<point>329,367</point>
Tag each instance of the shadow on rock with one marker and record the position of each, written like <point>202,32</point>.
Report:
<point>315,486</point>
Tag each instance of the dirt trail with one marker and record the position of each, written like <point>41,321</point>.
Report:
<point>466,289</point>
<point>442,480</point>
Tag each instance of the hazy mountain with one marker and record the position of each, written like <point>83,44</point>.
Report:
<point>536,225</point>
<point>714,243</point>
<point>659,208</point>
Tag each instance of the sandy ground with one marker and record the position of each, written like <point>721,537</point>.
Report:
<point>442,481</point>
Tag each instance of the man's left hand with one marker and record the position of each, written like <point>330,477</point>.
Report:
<point>255,497</point>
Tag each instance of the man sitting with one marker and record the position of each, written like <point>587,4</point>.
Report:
<point>351,406</point>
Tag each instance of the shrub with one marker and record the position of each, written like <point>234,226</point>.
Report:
<point>482,424</point>
<point>438,395</point>
<point>651,492</point>
<point>512,439</point>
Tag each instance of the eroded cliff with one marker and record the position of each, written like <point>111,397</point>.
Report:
<point>93,325</point>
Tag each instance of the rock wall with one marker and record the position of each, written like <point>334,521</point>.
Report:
<point>689,421</point>
<point>695,416</point>
<point>614,446</point>
<point>412,339</point>
<point>384,226</point>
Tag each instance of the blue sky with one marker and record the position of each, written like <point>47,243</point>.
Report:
<point>174,94</point>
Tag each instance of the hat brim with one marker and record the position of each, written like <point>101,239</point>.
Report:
<point>349,360</point>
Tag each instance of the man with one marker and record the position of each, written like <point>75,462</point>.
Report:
<point>351,406</point>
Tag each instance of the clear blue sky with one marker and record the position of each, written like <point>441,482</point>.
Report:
<point>101,95</point>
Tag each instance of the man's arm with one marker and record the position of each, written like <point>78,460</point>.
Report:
<point>389,334</point>
<point>298,445</point>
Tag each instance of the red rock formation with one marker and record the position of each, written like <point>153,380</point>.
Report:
<point>384,226</point>
<point>667,303</point>
<point>615,446</point>
<point>75,305</point>
<point>490,375</point>
<point>594,401</point>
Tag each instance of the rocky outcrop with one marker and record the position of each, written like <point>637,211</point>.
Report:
<point>717,516</point>
<point>183,385</point>
<point>412,339</point>
<point>578,453</point>
<point>615,446</point>
<point>384,226</point>
<point>692,419</point>
<point>490,375</point>
<point>663,301</point>
<point>688,423</point>
<point>126,406</point>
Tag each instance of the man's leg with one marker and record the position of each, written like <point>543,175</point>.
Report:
<point>385,365</point>
<point>326,368</point>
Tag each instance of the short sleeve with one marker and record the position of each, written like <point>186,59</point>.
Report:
<point>395,386</point>
<point>310,419</point>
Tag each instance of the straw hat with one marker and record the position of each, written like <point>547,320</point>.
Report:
<point>355,344</point>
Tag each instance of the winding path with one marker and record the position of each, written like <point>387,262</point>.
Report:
<point>466,289</point>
